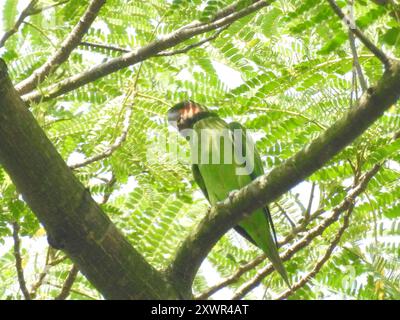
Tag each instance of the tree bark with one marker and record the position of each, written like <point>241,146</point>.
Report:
<point>72,219</point>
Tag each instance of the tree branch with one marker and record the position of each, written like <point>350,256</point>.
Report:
<point>282,210</point>
<point>42,33</point>
<point>25,13</point>
<point>104,46</point>
<point>140,54</point>
<point>73,221</point>
<point>318,266</point>
<point>267,188</point>
<point>160,54</point>
<point>18,261</point>
<point>192,46</point>
<point>360,35</point>
<point>307,212</point>
<point>44,8</point>
<point>35,287</point>
<point>83,294</point>
<point>293,113</point>
<point>30,10</point>
<point>66,48</point>
<point>66,289</point>
<point>352,40</point>
<point>347,204</point>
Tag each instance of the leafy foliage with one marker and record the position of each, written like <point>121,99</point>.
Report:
<point>286,73</point>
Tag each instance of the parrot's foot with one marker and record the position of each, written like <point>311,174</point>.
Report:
<point>232,194</point>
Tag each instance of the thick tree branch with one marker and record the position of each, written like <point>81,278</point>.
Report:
<point>18,261</point>
<point>220,218</point>
<point>347,204</point>
<point>63,53</point>
<point>140,54</point>
<point>72,219</point>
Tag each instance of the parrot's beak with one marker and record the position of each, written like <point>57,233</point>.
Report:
<point>174,117</point>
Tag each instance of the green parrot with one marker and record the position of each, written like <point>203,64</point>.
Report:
<point>219,171</point>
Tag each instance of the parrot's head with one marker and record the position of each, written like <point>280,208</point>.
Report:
<point>184,114</point>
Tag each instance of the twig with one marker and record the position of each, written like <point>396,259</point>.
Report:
<point>24,14</point>
<point>282,210</point>
<point>310,202</point>
<point>304,280</point>
<point>346,204</point>
<point>57,261</point>
<point>18,261</point>
<point>66,48</point>
<point>396,135</point>
<point>42,276</point>
<point>104,46</point>
<point>109,185</point>
<point>30,10</point>
<point>356,62</point>
<point>139,94</point>
<point>191,46</point>
<point>48,264</point>
<point>83,294</point>
<point>112,148</point>
<point>293,113</point>
<point>44,8</point>
<point>125,124</point>
<point>66,288</point>
<point>360,35</point>
<point>44,35</point>
<point>125,129</point>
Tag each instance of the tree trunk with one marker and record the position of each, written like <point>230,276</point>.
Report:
<point>72,219</point>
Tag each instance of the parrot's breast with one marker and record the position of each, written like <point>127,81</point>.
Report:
<point>216,158</point>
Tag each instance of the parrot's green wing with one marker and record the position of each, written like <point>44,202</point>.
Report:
<point>200,182</point>
<point>258,168</point>
<point>269,243</point>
